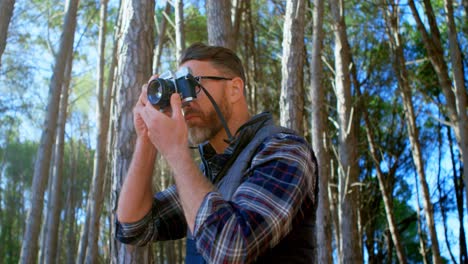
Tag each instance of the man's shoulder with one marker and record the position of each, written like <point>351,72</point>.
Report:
<point>284,145</point>
<point>281,136</point>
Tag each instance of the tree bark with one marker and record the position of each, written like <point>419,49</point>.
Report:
<point>347,151</point>
<point>292,87</point>
<point>29,248</point>
<point>219,23</point>
<point>238,10</point>
<point>250,60</point>
<point>319,115</point>
<point>6,12</point>
<point>135,49</point>
<point>179,21</point>
<point>96,196</point>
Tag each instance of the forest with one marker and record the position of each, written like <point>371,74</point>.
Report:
<point>378,88</point>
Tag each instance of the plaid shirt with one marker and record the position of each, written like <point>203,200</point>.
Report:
<point>279,186</point>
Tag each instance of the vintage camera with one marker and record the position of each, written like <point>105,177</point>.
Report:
<point>160,90</point>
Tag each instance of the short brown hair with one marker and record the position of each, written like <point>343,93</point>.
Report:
<point>219,56</point>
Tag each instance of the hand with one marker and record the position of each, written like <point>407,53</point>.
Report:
<point>167,132</point>
<point>139,123</point>
<point>140,126</point>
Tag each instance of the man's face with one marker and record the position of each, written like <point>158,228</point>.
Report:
<point>200,115</point>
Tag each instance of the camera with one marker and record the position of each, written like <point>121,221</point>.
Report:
<point>160,90</point>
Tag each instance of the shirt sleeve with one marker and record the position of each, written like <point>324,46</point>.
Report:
<point>165,221</point>
<point>261,211</point>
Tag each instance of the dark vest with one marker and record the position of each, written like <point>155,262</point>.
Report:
<point>298,246</point>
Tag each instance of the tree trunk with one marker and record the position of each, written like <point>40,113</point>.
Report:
<point>386,194</point>
<point>6,12</point>
<point>422,243</point>
<point>458,184</point>
<point>70,216</point>
<point>50,248</point>
<point>443,194</point>
<point>29,248</point>
<point>347,151</point>
<point>456,101</point>
<point>250,60</point>
<point>392,14</point>
<point>219,23</point>
<point>179,22</point>
<point>319,115</point>
<point>96,196</point>
<point>292,88</point>
<point>334,204</point>
<point>44,229</point>
<point>161,35</point>
<point>135,49</point>
<point>459,85</point>
<point>238,10</point>
<point>413,131</point>
<point>83,243</point>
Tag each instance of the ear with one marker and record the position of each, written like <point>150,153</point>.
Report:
<point>236,91</point>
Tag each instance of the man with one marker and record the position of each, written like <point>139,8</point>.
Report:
<point>254,198</point>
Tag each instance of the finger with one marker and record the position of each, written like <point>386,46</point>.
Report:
<point>176,105</point>
<point>149,113</point>
<point>153,77</point>
<point>143,99</point>
<point>144,89</point>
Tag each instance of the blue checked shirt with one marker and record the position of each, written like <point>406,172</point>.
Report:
<point>280,185</point>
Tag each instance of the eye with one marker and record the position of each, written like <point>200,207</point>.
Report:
<point>197,89</point>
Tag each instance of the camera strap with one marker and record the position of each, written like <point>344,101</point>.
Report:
<point>218,111</point>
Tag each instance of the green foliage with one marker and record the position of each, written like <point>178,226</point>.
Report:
<point>16,168</point>
<point>195,26</point>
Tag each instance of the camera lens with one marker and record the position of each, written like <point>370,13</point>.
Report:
<point>159,92</point>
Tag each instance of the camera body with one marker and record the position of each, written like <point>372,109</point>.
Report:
<point>160,90</point>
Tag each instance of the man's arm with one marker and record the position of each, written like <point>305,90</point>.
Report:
<point>165,221</point>
<point>136,196</point>
<point>142,217</point>
<point>170,135</point>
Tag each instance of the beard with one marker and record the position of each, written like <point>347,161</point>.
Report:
<point>211,124</point>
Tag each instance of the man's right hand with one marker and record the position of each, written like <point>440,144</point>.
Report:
<point>141,127</point>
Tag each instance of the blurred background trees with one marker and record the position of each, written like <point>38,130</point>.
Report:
<point>378,88</point>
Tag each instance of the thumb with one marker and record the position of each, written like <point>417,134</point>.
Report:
<point>176,105</point>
